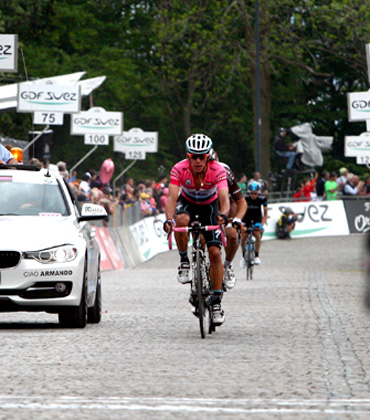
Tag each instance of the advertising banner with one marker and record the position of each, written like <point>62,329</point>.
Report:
<point>358,215</point>
<point>150,237</point>
<point>357,145</point>
<point>358,106</point>
<point>136,140</point>
<point>8,53</point>
<point>315,218</point>
<point>36,96</point>
<point>97,121</point>
<point>109,256</point>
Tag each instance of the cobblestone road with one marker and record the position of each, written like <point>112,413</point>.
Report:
<point>295,345</point>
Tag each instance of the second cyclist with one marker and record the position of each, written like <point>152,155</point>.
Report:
<point>256,201</point>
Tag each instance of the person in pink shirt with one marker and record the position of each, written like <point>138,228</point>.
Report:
<point>198,186</point>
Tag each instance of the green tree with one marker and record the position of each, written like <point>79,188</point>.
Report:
<point>181,67</point>
<point>196,64</point>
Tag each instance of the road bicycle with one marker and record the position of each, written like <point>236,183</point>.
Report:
<point>249,250</point>
<point>201,287</point>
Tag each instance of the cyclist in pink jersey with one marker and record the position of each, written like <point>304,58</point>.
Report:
<point>199,186</point>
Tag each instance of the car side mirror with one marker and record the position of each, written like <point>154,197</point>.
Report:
<point>91,211</point>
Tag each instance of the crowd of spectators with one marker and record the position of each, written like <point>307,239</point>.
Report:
<point>332,186</point>
<point>151,194</point>
<point>326,186</point>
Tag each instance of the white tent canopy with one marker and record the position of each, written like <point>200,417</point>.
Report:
<point>88,85</point>
<point>8,93</point>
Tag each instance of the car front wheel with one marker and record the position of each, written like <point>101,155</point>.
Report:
<point>94,313</point>
<point>76,316</point>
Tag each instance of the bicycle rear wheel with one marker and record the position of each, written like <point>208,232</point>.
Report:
<point>250,272</point>
<point>202,309</point>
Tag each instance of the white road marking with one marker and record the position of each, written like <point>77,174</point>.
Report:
<point>44,403</point>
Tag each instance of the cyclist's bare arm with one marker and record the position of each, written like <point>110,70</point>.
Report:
<point>264,218</point>
<point>223,196</point>
<point>173,193</point>
<point>241,208</point>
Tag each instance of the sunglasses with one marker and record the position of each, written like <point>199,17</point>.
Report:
<point>196,156</point>
<point>253,193</point>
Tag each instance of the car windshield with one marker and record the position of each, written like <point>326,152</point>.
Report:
<point>26,199</point>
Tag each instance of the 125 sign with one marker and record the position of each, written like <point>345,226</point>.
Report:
<point>135,155</point>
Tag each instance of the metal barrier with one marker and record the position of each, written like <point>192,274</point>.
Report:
<point>125,217</point>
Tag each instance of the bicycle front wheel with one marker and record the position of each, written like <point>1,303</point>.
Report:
<point>202,310</point>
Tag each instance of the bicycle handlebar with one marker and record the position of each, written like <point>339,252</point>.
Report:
<point>188,229</point>
<point>249,230</point>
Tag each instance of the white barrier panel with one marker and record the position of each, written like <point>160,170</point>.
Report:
<point>150,237</point>
<point>315,218</point>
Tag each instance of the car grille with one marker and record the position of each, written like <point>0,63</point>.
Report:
<point>9,259</point>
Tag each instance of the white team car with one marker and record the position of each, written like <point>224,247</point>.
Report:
<point>49,257</point>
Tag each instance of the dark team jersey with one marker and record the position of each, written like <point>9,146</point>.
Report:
<point>234,190</point>
<point>254,211</point>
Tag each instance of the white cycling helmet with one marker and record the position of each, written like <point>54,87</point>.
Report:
<point>198,143</point>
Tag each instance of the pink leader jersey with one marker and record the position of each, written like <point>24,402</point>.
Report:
<point>215,179</point>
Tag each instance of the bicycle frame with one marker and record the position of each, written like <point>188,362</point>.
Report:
<point>249,253</point>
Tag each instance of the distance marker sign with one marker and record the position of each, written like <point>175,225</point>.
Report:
<point>136,140</point>
<point>9,53</point>
<point>358,106</point>
<point>97,121</point>
<point>36,96</point>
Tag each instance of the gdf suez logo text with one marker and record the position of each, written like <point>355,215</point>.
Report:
<point>48,96</point>
<point>5,49</point>
<point>361,104</point>
<point>315,212</point>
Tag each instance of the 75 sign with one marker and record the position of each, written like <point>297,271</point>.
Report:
<point>49,118</point>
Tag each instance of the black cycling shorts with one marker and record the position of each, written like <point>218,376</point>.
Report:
<point>207,216</point>
<point>248,220</point>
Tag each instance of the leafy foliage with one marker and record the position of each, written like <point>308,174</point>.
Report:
<point>180,67</point>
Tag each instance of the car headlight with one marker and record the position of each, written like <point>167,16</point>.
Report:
<point>60,254</point>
